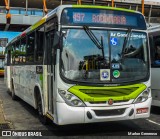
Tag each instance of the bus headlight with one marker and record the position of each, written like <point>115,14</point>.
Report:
<point>143,96</point>
<point>71,99</point>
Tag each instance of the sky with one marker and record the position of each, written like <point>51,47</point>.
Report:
<point>9,35</point>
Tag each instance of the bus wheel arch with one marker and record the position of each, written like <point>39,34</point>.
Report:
<point>36,95</point>
<point>39,105</point>
<point>13,95</point>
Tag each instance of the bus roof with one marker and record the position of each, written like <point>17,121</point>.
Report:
<point>59,9</point>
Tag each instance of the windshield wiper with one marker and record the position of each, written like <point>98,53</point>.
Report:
<point>94,39</point>
<point>126,40</point>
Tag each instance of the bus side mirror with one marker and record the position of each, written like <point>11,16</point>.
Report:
<point>56,39</point>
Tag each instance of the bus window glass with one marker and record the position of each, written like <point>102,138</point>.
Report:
<point>132,56</point>
<point>12,53</point>
<point>1,63</point>
<point>39,45</point>
<point>83,60</point>
<point>2,49</point>
<point>23,50</point>
<point>30,47</point>
<point>156,47</point>
<point>16,52</point>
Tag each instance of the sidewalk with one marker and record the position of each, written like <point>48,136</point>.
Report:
<point>2,119</point>
<point>4,124</point>
<point>18,114</point>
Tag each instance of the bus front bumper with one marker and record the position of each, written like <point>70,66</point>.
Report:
<point>74,115</point>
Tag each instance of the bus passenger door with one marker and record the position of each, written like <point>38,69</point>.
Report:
<point>7,70</point>
<point>50,75</point>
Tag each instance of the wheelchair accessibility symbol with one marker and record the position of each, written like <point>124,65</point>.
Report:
<point>104,74</point>
<point>114,41</point>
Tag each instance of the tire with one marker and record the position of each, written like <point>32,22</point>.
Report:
<point>14,97</point>
<point>43,119</point>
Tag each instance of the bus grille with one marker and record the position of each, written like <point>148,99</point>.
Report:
<point>108,92</point>
<point>114,112</point>
<point>104,102</point>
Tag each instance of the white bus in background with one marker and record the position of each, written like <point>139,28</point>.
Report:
<point>154,39</point>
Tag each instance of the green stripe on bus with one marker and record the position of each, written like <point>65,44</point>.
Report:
<point>38,23</point>
<point>41,79</point>
<point>95,94</point>
<point>103,7</point>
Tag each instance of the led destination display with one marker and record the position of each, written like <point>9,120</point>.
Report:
<point>102,17</point>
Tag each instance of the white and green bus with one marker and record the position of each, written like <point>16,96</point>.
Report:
<point>83,64</point>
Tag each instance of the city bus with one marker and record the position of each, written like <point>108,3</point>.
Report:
<point>154,39</point>
<point>2,57</point>
<point>83,64</point>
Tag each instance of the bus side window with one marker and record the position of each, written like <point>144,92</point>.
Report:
<point>18,56</point>
<point>16,52</point>
<point>30,47</point>
<point>157,50</point>
<point>23,50</point>
<point>39,45</point>
<point>152,50</point>
<point>12,54</point>
<point>8,57</point>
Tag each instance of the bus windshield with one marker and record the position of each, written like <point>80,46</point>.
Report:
<point>86,55</point>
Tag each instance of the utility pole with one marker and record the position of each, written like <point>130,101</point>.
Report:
<point>26,7</point>
<point>112,3</point>
<point>45,10</point>
<point>79,2</point>
<point>143,7</point>
<point>8,15</point>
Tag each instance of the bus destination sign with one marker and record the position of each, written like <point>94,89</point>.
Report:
<point>102,17</point>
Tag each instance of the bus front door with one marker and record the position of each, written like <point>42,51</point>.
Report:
<point>50,75</point>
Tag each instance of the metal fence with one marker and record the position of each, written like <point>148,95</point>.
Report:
<point>23,11</point>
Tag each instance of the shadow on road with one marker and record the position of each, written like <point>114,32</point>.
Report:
<point>155,110</point>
